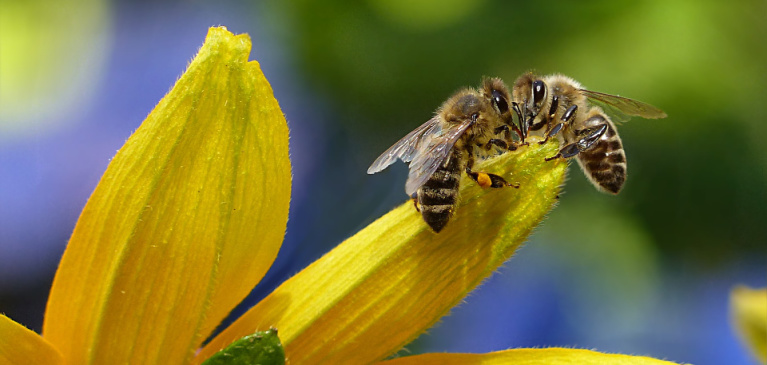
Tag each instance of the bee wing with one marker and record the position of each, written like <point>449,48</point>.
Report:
<point>436,150</point>
<point>406,148</point>
<point>622,109</point>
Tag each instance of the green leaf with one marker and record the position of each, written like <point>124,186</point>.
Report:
<point>263,348</point>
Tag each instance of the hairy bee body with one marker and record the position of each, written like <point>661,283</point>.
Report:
<point>557,105</point>
<point>470,124</point>
<point>438,196</point>
<point>605,162</point>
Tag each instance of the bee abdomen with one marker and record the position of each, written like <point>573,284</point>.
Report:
<point>612,180</point>
<point>605,164</point>
<point>437,216</point>
<point>443,179</point>
<point>438,196</point>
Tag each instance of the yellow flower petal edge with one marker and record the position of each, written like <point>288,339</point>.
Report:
<point>19,345</point>
<point>384,286</point>
<point>548,356</point>
<point>748,309</point>
<point>185,221</point>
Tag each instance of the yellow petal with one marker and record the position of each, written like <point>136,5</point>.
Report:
<point>18,345</point>
<point>384,286</point>
<point>187,218</point>
<point>550,356</point>
<point>749,313</point>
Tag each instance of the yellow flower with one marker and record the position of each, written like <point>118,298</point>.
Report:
<point>191,213</point>
<point>748,309</point>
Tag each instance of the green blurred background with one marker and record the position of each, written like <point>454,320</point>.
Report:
<point>646,272</point>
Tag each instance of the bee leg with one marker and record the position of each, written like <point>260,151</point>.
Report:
<point>497,141</point>
<point>554,106</point>
<point>589,137</point>
<point>414,197</point>
<point>503,144</point>
<point>500,143</point>
<point>536,126</point>
<point>567,151</point>
<point>484,179</point>
<point>566,118</point>
<point>552,132</point>
<point>487,180</point>
<point>501,129</point>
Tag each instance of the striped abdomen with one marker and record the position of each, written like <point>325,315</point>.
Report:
<point>605,162</point>
<point>438,196</point>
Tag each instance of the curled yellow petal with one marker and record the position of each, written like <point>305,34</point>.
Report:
<point>749,314</point>
<point>384,286</point>
<point>550,356</point>
<point>19,345</point>
<point>187,218</point>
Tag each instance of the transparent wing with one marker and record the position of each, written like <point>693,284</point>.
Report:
<point>436,150</point>
<point>622,109</point>
<point>406,148</point>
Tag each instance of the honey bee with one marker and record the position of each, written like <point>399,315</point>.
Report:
<point>560,104</point>
<point>472,123</point>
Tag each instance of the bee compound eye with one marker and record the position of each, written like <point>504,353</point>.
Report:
<point>474,117</point>
<point>500,102</point>
<point>539,92</point>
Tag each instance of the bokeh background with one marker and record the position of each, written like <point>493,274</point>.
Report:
<point>646,272</point>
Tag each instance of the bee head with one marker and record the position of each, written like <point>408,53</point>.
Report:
<point>531,92</point>
<point>496,91</point>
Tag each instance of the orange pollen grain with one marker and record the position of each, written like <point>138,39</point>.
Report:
<point>483,180</point>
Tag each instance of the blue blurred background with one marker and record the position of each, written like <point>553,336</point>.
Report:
<point>647,272</point>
